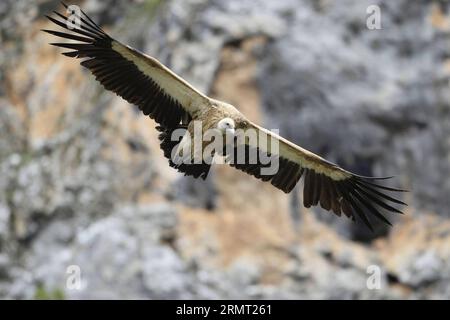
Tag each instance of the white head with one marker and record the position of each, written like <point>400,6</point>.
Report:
<point>226,126</point>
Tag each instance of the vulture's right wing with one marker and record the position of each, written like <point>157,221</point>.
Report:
<point>136,77</point>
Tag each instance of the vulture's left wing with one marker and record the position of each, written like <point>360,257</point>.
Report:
<point>136,77</point>
<point>326,183</point>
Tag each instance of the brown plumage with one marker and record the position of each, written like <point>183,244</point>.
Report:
<point>175,104</point>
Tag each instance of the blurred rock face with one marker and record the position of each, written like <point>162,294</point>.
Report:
<point>83,182</point>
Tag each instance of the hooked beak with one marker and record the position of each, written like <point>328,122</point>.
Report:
<point>230,131</point>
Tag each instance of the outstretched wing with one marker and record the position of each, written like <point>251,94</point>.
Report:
<point>136,77</point>
<point>325,183</point>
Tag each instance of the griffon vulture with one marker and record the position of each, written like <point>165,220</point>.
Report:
<point>173,103</point>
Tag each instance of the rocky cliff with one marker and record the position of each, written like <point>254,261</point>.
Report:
<point>83,181</point>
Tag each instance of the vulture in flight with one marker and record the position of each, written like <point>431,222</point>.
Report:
<point>175,104</point>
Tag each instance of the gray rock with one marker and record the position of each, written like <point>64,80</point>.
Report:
<point>425,268</point>
<point>164,274</point>
<point>5,215</point>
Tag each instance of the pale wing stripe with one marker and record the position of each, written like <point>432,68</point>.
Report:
<point>190,98</point>
<point>303,157</point>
